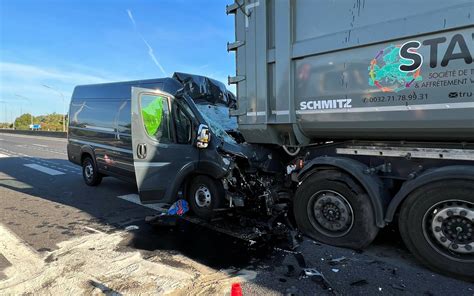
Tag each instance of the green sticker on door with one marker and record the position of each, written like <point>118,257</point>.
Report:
<point>152,113</point>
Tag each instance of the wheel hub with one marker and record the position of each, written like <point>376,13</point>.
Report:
<point>203,197</point>
<point>89,170</point>
<point>332,213</point>
<point>452,227</point>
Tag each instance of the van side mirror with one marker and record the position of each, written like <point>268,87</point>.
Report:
<point>203,136</point>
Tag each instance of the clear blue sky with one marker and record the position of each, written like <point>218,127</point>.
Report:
<point>65,43</point>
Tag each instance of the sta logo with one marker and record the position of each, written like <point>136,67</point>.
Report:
<point>390,71</point>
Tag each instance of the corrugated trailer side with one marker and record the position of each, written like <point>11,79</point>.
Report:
<point>364,69</point>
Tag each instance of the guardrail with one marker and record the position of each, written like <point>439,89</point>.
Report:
<point>35,133</point>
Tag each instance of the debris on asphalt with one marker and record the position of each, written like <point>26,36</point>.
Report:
<point>339,260</point>
<point>317,277</point>
<point>162,219</point>
<point>132,227</point>
<point>180,207</point>
<point>359,283</point>
<point>291,271</point>
<point>400,287</point>
<point>335,270</point>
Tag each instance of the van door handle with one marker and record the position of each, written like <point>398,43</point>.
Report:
<point>141,151</point>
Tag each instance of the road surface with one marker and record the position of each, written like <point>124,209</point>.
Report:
<point>59,236</point>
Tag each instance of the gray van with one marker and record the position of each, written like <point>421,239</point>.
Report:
<point>153,132</point>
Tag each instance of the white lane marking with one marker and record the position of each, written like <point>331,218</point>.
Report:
<point>43,169</point>
<point>39,145</point>
<point>134,198</point>
<point>4,155</point>
<point>25,261</point>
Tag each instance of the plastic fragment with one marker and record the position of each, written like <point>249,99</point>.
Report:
<point>180,207</point>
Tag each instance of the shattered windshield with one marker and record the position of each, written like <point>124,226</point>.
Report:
<point>219,121</point>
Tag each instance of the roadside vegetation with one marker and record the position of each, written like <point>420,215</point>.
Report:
<point>49,122</point>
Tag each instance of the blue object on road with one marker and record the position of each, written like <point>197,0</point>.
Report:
<point>179,208</point>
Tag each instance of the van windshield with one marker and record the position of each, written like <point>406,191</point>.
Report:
<point>218,121</point>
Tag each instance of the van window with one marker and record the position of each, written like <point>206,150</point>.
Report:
<point>183,126</point>
<point>156,117</point>
<point>124,121</point>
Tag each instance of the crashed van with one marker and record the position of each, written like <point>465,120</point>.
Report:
<point>166,135</point>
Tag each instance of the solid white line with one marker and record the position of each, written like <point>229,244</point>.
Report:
<point>44,169</point>
<point>4,155</point>
<point>134,198</point>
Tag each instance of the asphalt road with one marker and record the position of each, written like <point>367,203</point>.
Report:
<point>59,235</point>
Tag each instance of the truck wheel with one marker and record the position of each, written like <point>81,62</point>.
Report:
<point>437,225</point>
<point>90,173</point>
<point>331,208</point>
<point>205,195</point>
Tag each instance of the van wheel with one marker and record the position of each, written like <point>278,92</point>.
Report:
<point>90,173</point>
<point>205,195</point>
<point>437,225</point>
<point>332,208</point>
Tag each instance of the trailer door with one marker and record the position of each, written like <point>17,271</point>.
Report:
<point>160,155</point>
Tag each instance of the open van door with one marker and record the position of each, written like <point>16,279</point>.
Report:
<point>162,137</point>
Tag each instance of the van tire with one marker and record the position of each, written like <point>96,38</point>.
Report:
<point>330,207</point>
<point>204,196</point>
<point>425,206</point>
<point>90,173</point>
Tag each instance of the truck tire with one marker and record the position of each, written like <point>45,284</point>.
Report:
<point>437,225</point>
<point>90,173</point>
<point>332,208</point>
<point>205,195</point>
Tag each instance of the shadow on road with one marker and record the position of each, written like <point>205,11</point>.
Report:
<point>50,209</point>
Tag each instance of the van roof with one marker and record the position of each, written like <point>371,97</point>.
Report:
<point>120,90</point>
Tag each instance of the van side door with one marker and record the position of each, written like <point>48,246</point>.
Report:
<point>162,137</point>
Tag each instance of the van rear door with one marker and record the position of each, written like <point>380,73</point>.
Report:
<point>162,151</point>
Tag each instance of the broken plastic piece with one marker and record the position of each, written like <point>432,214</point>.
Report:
<point>180,207</point>
<point>339,260</point>
<point>311,272</point>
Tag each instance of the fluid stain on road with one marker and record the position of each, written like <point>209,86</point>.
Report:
<point>208,247</point>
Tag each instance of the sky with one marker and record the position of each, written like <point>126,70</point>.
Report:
<point>61,44</point>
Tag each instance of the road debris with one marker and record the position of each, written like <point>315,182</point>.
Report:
<point>318,277</point>
<point>132,227</point>
<point>360,283</point>
<point>340,260</point>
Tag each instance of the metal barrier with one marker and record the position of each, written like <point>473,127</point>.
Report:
<point>35,133</point>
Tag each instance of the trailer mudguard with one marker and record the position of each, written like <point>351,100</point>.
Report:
<point>464,172</point>
<point>371,183</point>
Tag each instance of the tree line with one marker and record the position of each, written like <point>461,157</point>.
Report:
<point>49,122</point>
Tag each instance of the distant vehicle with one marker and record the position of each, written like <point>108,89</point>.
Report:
<point>35,127</point>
